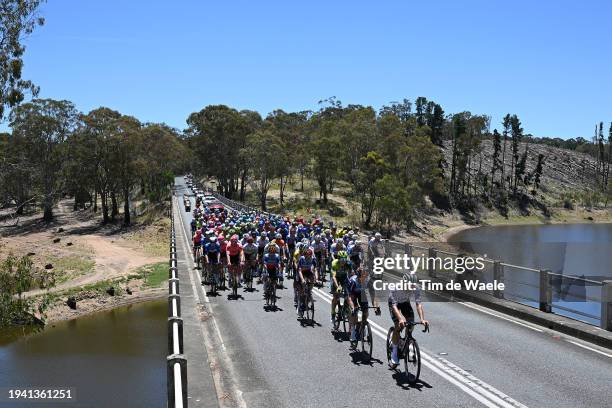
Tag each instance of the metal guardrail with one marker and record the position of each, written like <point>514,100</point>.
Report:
<point>532,287</point>
<point>538,288</point>
<point>176,361</point>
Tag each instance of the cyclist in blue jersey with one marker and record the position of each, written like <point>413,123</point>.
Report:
<point>358,299</point>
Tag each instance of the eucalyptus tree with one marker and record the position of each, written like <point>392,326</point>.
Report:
<point>42,127</point>
<point>18,18</point>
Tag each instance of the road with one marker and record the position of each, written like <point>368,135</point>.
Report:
<point>471,357</point>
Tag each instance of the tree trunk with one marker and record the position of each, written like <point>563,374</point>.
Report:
<point>114,205</point>
<point>95,201</point>
<point>104,200</point>
<point>126,207</point>
<point>48,214</point>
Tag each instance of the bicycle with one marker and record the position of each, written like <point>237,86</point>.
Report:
<point>290,266</point>
<point>234,271</point>
<point>214,277</point>
<point>248,275</point>
<point>197,255</point>
<point>408,350</point>
<point>269,288</point>
<point>342,315</point>
<point>320,269</point>
<point>364,332</point>
<point>306,303</point>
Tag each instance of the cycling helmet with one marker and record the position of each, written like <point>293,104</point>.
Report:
<point>342,255</point>
<point>272,248</point>
<point>213,239</point>
<point>234,238</point>
<point>278,236</point>
<point>249,239</point>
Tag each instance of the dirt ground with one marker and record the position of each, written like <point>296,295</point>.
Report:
<point>87,252</point>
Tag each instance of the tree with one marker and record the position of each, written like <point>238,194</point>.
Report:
<point>538,170</point>
<point>497,163</point>
<point>506,124</point>
<point>372,167</point>
<point>396,203</point>
<point>44,125</point>
<point>421,165</point>
<point>517,134</point>
<point>266,152</point>
<point>18,18</point>
<point>219,131</point>
<point>18,275</point>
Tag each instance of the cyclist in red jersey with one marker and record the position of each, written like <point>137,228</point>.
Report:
<point>235,258</point>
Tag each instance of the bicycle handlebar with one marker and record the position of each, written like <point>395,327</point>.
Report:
<point>425,329</point>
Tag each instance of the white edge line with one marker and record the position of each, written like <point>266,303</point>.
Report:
<point>588,348</point>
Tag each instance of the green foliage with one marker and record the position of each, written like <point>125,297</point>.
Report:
<point>396,203</point>
<point>17,275</point>
<point>18,18</point>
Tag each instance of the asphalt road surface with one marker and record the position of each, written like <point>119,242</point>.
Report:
<point>471,357</point>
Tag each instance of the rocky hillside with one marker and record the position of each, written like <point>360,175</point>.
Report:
<point>564,170</point>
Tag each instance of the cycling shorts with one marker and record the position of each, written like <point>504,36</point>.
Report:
<point>235,259</point>
<point>405,309</point>
<point>308,275</point>
<point>271,272</point>
<point>363,304</point>
<point>212,257</point>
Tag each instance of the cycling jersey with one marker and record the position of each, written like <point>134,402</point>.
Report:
<point>341,271</point>
<point>318,246</point>
<point>250,251</point>
<point>233,249</point>
<point>272,261</point>
<point>306,263</point>
<point>291,240</point>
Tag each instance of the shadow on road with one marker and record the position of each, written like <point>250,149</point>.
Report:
<point>403,381</point>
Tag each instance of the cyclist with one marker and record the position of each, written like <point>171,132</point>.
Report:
<point>250,255</point>
<point>235,258</point>
<point>213,256</point>
<point>355,253</point>
<point>401,311</point>
<point>197,244</point>
<point>272,263</point>
<point>376,249</point>
<point>319,247</point>
<point>262,241</point>
<point>194,225</point>
<point>340,272</point>
<point>357,297</point>
<point>307,276</point>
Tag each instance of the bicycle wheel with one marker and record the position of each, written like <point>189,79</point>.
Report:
<point>366,340</point>
<point>338,317</point>
<point>273,294</point>
<point>235,285</point>
<point>412,361</point>
<point>389,345</point>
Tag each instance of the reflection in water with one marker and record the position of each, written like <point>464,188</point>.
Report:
<point>114,358</point>
<point>578,250</point>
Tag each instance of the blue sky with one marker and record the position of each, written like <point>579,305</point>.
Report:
<point>550,62</point>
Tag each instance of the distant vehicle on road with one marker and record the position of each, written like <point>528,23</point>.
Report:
<point>208,199</point>
<point>187,203</point>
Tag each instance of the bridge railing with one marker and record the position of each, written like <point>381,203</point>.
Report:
<point>543,289</point>
<point>572,296</point>
<point>176,362</point>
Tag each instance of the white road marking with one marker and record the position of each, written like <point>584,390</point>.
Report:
<point>589,348</point>
<point>472,306</point>
<point>483,392</point>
